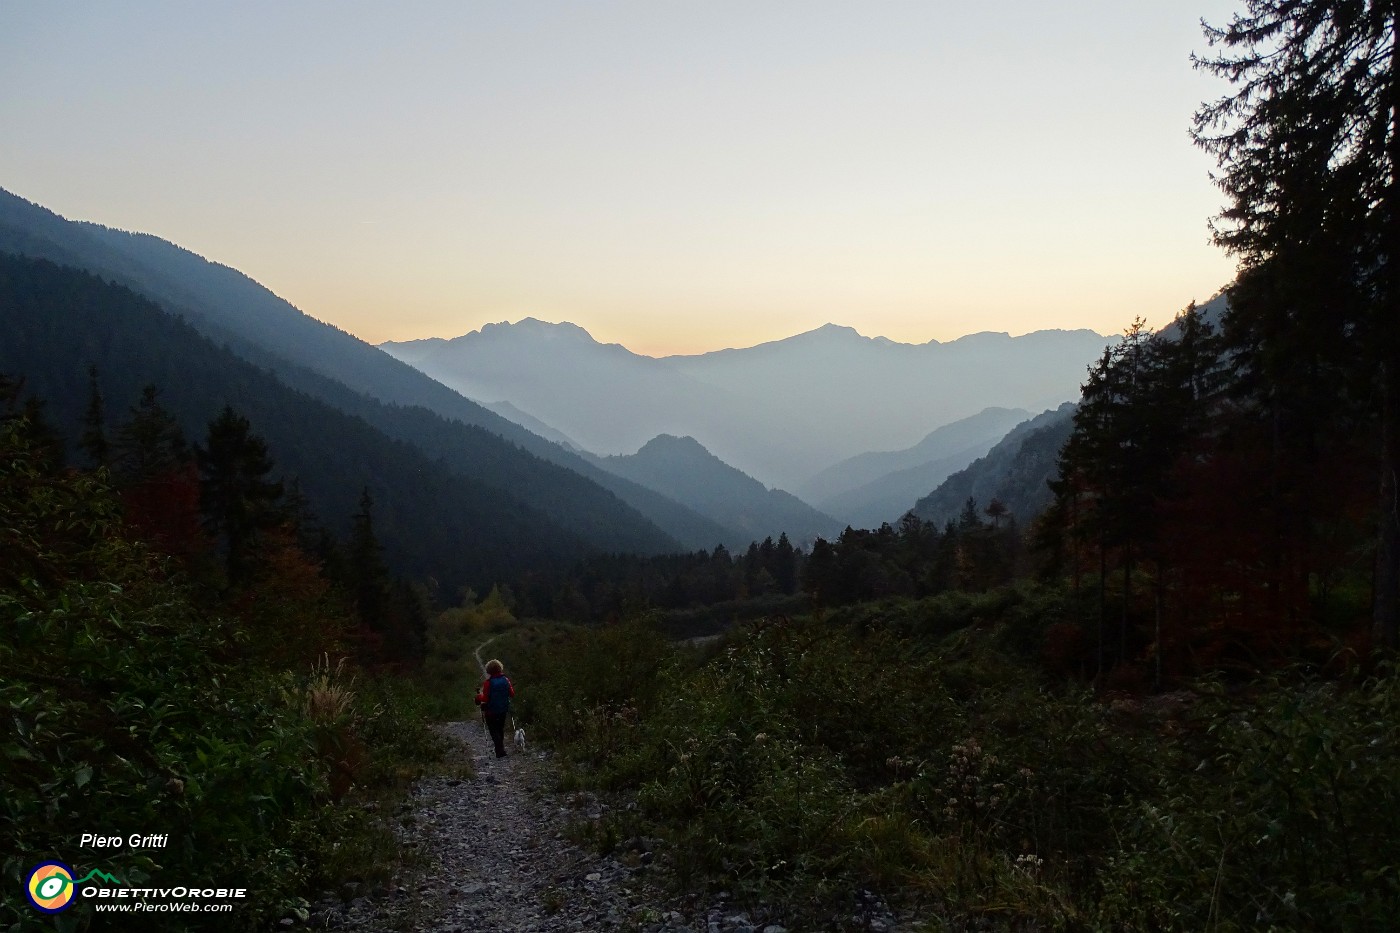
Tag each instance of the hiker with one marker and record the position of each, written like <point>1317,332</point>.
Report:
<point>494,700</point>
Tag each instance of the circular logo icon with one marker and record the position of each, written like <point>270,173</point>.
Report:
<point>50,887</point>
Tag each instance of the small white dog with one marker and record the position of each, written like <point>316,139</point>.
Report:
<point>519,739</point>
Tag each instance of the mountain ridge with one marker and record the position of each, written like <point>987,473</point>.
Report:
<point>781,411</point>
<point>318,358</point>
<point>1016,471</point>
<point>683,469</point>
<point>58,320</point>
<point>880,486</point>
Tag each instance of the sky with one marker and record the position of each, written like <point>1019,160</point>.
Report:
<point>673,176</point>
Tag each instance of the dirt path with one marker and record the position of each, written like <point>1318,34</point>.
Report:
<point>496,855</point>
<point>476,653</point>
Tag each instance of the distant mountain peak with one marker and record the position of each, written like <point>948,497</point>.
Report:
<point>533,326</point>
<point>829,331</point>
<point>671,444</point>
<point>564,336</point>
<point>683,469</point>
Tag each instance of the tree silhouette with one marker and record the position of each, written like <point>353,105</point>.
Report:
<point>1308,146</point>
<point>94,437</point>
<point>150,444</point>
<point>236,498</point>
<point>365,563</point>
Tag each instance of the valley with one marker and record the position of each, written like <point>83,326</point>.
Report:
<point>1031,627</point>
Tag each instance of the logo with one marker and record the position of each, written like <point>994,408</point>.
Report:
<point>50,887</point>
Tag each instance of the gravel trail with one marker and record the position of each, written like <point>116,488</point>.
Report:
<point>495,855</point>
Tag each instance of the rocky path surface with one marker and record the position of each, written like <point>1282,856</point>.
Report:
<point>495,855</point>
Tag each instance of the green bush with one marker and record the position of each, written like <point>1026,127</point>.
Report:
<point>131,708</point>
<point>1287,820</point>
<point>912,749</point>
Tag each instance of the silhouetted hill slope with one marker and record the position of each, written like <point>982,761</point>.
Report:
<point>1015,471</point>
<point>780,411</point>
<point>684,470</point>
<point>534,425</point>
<point>434,521</point>
<point>230,308</point>
<point>891,496</point>
<point>987,426</point>
<point>1212,312</point>
<point>608,398</point>
<point>880,486</point>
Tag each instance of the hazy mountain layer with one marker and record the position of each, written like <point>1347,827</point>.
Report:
<point>436,521</point>
<point>611,400</point>
<point>332,365</point>
<point>682,469</point>
<point>781,411</point>
<point>880,486</point>
<point>1015,471</point>
<point>889,497</point>
<point>532,424</point>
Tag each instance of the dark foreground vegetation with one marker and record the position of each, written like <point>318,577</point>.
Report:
<point>1169,703</point>
<point>181,671</point>
<point>917,749</point>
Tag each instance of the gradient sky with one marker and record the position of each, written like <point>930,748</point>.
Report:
<point>673,176</point>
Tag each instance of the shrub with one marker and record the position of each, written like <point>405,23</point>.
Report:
<point>132,708</point>
<point>1287,820</point>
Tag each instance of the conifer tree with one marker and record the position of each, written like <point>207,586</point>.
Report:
<point>45,437</point>
<point>818,578</point>
<point>150,445</point>
<point>1308,145</point>
<point>236,498</point>
<point>94,438</point>
<point>159,484</point>
<point>785,565</point>
<point>365,564</point>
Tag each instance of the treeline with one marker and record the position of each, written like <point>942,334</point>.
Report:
<point>979,551</point>
<point>982,550</point>
<point>618,586</point>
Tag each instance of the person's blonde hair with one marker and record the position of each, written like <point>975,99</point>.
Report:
<point>494,667</point>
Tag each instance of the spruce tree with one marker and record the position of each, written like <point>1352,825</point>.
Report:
<point>1308,146</point>
<point>150,444</point>
<point>369,578</point>
<point>785,565</point>
<point>236,498</point>
<point>94,438</point>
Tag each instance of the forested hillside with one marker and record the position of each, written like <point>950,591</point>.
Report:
<point>880,486</point>
<point>1016,472</point>
<point>682,469</point>
<point>341,370</point>
<point>437,517</point>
